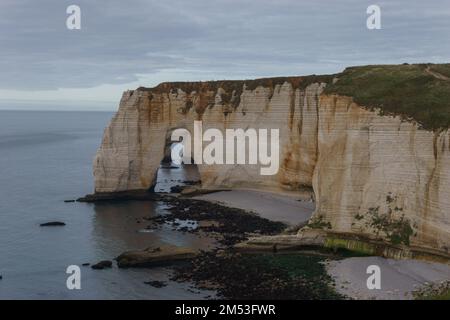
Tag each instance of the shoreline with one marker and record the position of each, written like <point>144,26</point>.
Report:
<point>286,208</point>
<point>401,277</point>
<point>348,273</point>
<point>318,235</point>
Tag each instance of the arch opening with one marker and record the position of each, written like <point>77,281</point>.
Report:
<point>173,175</point>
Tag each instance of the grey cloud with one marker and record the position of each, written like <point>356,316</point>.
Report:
<point>235,38</point>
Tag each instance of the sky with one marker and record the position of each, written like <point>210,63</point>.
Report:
<point>126,44</point>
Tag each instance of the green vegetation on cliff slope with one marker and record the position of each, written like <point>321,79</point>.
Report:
<point>420,92</point>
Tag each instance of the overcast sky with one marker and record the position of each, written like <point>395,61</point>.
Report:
<point>126,44</point>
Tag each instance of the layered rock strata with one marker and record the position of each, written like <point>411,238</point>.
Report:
<point>375,176</point>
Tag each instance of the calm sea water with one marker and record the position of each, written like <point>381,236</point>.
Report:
<point>45,158</point>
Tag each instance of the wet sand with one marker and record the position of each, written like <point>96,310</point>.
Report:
<point>398,277</point>
<point>284,208</point>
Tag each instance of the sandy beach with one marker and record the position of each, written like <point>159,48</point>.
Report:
<point>398,277</point>
<point>284,208</point>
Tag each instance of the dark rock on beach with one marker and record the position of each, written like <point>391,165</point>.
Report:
<point>227,225</point>
<point>234,275</point>
<point>53,224</point>
<point>191,182</point>
<point>156,284</point>
<point>163,255</point>
<point>176,189</point>
<point>140,195</point>
<point>260,276</point>
<point>102,265</point>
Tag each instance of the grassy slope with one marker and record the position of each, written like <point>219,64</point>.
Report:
<point>420,92</point>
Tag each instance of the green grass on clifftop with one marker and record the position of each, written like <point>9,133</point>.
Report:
<point>420,92</point>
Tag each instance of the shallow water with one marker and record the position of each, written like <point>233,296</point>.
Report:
<point>46,158</point>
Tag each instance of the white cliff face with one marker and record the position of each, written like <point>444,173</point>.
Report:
<point>381,177</point>
<point>134,142</point>
<point>372,175</point>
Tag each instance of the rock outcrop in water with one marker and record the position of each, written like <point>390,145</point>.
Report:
<point>375,173</point>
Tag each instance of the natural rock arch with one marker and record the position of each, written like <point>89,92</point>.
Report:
<point>354,158</point>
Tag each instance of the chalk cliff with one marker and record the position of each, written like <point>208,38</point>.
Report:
<point>374,172</point>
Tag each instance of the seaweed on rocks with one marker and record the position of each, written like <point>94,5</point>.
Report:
<point>259,276</point>
<point>228,225</point>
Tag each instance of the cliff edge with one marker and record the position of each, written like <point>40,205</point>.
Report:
<point>371,144</point>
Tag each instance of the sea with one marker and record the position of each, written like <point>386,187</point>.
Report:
<point>45,158</point>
